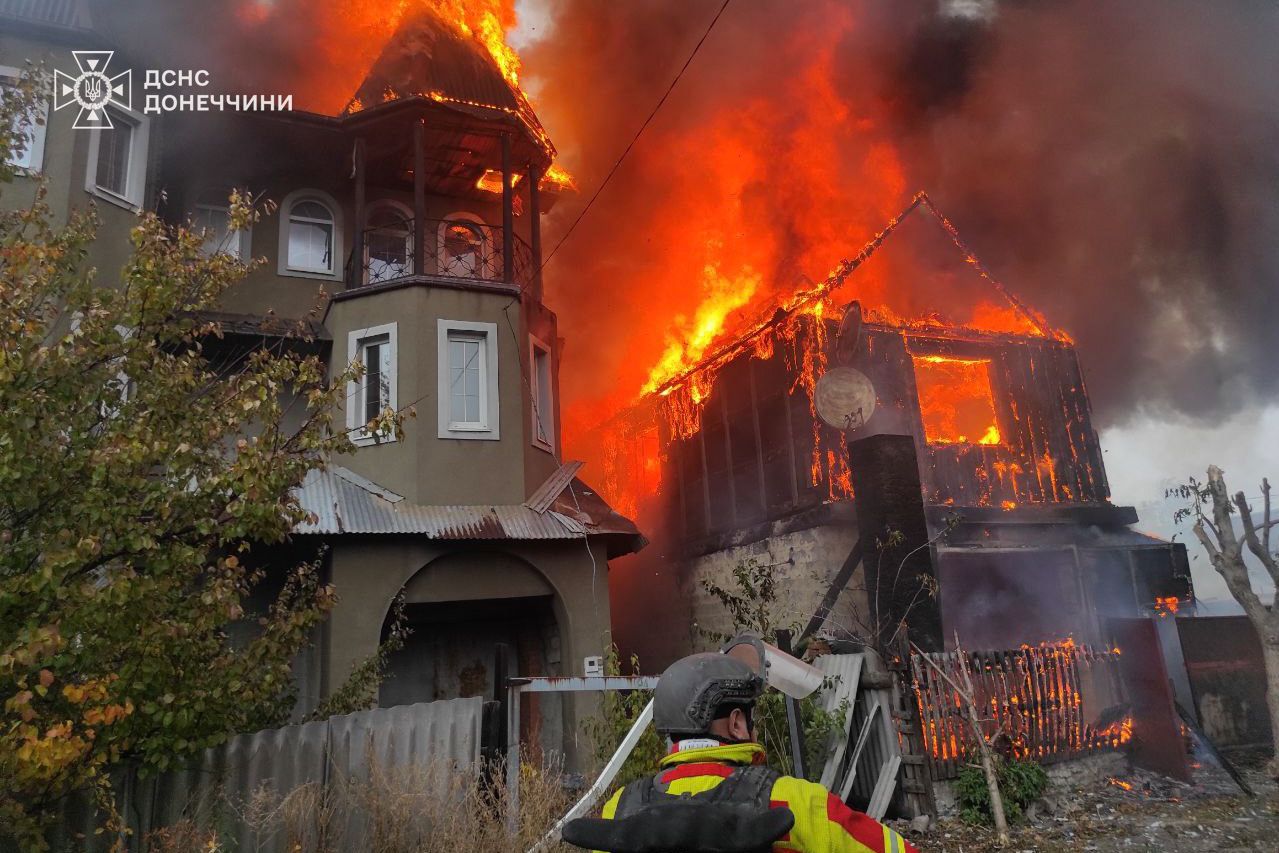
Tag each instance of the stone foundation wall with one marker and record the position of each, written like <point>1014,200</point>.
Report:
<point>804,562</point>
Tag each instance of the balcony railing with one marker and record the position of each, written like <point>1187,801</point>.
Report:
<point>454,248</point>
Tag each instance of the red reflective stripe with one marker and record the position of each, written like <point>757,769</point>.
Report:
<point>684,771</point>
<point>863,830</point>
<point>780,804</point>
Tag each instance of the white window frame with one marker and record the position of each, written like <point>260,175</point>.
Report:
<point>406,213</point>
<point>339,253</point>
<point>355,343</point>
<point>542,412</point>
<point>490,415</point>
<point>40,123</point>
<point>139,146</point>
<point>238,243</point>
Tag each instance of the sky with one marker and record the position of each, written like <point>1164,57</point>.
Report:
<point>1148,455</point>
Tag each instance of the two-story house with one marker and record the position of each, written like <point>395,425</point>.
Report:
<point>407,238</point>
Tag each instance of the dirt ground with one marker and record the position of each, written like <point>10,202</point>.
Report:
<point>1153,813</point>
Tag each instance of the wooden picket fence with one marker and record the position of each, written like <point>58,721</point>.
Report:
<point>1049,702</point>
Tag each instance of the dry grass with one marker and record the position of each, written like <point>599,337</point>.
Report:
<point>184,836</point>
<point>407,810</point>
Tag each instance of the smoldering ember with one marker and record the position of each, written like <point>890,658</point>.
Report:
<point>729,425</point>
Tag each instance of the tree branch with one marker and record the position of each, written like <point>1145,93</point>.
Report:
<point>1254,543</point>
<point>1227,553</point>
<point>1266,523</point>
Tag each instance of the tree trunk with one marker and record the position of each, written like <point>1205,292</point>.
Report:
<point>983,746</point>
<point>1270,655</point>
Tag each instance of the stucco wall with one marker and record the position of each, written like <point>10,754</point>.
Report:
<point>804,564</point>
<point>65,165</point>
<point>423,467</point>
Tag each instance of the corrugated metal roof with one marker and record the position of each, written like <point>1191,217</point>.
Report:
<point>541,500</point>
<point>58,13</point>
<point>342,502</point>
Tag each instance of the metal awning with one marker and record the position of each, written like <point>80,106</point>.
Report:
<point>342,502</point>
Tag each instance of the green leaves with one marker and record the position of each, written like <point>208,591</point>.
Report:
<point>141,451</point>
<point>1020,784</point>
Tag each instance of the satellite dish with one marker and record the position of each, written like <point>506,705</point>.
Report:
<point>850,333</point>
<point>845,398</point>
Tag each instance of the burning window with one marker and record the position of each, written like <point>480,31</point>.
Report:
<point>955,400</point>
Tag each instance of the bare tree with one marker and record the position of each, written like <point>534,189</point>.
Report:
<point>1212,508</point>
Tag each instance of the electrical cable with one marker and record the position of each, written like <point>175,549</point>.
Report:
<point>636,137</point>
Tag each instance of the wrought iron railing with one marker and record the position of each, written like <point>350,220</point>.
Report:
<point>454,248</point>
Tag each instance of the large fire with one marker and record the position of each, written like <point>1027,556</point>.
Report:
<point>740,232</point>
<point>354,32</point>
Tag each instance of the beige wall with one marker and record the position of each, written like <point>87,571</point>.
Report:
<point>423,467</point>
<point>369,571</point>
<point>818,553</point>
<point>65,163</point>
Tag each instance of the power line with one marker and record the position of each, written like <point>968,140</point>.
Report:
<point>638,133</point>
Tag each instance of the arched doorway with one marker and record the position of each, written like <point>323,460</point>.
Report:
<point>459,608</point>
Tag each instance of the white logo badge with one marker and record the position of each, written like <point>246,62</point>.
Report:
<point>93,90</point>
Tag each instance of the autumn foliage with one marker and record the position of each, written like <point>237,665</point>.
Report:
<point>139,478</point>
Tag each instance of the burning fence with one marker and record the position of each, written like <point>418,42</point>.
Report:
<point>1049,702</point>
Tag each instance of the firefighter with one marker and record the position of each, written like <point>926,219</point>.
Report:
<point>714,790</point>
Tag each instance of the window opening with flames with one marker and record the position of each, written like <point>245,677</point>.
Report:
<point>955,400</point>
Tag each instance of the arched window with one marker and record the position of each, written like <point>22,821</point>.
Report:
<point>464,249</point>
<point>212,216</point>
<point>388,244</point>
<point>312,231</point>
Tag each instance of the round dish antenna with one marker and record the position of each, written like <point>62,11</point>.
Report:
<point>845,398</point>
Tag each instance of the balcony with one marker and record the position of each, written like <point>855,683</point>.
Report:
<point>453,251</point>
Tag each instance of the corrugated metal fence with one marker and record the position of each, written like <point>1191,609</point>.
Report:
<point>274,762</point>
<point>1049,702</point>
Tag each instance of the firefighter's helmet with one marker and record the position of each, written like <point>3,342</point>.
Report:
<point>692,689</point>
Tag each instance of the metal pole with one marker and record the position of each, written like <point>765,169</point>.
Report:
<point>356,276</point>
<point>508,213</point>
<point>606,777</point>
<point>513,757</point>
<point>535,228</point>
<point>792,718</point>
<point>419,197</point>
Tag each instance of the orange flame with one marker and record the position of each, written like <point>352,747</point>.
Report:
<point>1167,606</point>
<point>955,400</point>
<point>685,349</point>
<point>355,32</point>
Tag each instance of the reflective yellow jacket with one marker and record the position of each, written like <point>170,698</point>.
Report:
<point>823,824</point>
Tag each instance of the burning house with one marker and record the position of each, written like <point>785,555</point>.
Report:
<point>883,469</point>
<point>407,237</point>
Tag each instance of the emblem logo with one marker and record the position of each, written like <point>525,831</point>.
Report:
<point>92,90</point>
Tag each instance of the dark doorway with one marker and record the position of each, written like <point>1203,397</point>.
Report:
<point>451,651</point>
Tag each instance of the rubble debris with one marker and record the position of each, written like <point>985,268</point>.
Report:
<point>1137,810</point>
